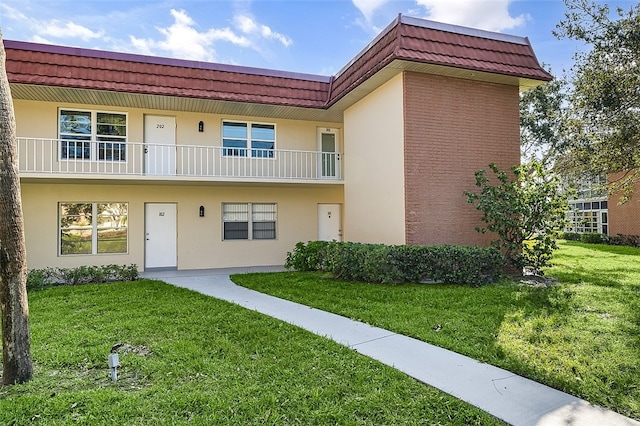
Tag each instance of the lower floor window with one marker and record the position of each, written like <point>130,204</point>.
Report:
<point>249,221</point>
<point>93,228</point>
<point>587,221</point>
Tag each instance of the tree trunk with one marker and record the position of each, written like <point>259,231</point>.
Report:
<point>16,357</point>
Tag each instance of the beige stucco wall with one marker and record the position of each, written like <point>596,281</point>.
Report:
<point>199,240</point>
<point>200,243</point>
<point>374,168</point>
<point>40,119</point>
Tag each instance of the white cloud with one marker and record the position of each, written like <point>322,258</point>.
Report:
<point>52,28</point>
<point>491,15</point>
<point>183,40</point>
<point>368,7</point>
<point>249,26</point>
<point>140,45</point>
<point>367,26</point>
<point>41,40</point>
<point>12,13</point>
<point>68,30</point>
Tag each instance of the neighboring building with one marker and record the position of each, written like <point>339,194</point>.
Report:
<point>593,210</point>
<point>624,218</point>
<point>588,212</point>
<point>172,163</point>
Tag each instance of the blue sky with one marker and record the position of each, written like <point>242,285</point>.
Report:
<point>317,37</point>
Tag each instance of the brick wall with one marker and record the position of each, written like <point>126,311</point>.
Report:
<point>624,218</point>
<point>453,127</point>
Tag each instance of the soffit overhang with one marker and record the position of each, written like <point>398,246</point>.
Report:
<point>71,95</point>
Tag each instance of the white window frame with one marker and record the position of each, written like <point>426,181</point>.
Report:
<point>248,149</point>
<point>586,220</point>
<point>94,139</point>
<point>94,227</point>
<point>251,218</point>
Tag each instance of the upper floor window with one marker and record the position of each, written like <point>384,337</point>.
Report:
<point>241,139</point>
<point>92,135</point>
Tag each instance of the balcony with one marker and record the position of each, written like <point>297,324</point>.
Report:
<point>115,160</point>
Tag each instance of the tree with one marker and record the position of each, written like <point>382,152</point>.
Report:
<point>16,356</point>
<point>604,122</point>
<point>525,210</point>
<point>541,122</point>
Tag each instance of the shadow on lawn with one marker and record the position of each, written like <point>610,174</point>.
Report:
<point>606,277</point>
<point>607,248</point>
<point>554,298</point>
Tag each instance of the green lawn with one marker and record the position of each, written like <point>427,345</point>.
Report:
<point>581,336</point>
<point>188,358</point>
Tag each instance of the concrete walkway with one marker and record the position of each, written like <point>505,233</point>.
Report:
<point>509,397</point>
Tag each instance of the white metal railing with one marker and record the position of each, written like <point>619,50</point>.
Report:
<point>78,157</point>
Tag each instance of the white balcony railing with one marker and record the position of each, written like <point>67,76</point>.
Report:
<point>75,157</point>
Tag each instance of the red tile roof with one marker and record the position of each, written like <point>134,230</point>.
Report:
<point>29,63</point>
<point>470,49</point>
<point>405,39</point>
<point>433,43</point>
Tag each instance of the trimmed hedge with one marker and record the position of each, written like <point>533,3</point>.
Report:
<point>40,278</point>
<point>593,238</point>
<point>381,263</point>
<point>569,236</point>
<point>597,238</point>
<point>625,240</point>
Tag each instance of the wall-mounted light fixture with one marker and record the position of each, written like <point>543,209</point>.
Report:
<point>201,126</point>
<point>201,211</point>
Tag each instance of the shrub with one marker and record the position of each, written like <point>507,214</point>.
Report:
<point>569,236</point>
<point>39,278</point>
<point>625,240</point>
<point>526,204</point>
<point>593,238</point>
<point>381,263</point>
<point>347,261</point>
<point>465,264</point>
<point>307,257</point>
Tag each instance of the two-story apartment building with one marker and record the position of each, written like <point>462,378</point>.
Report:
<point>172,163</point>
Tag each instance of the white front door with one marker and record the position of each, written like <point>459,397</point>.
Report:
<point>329,222</point>
<point>161,236</point>
<point>160,145</point>
<point>329,146</point>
